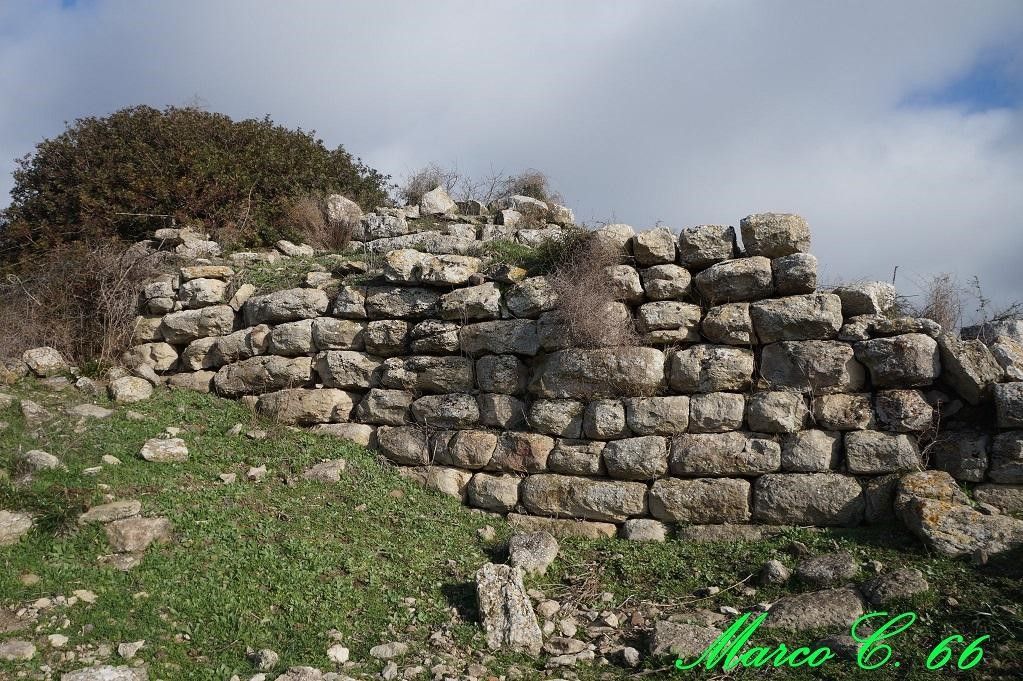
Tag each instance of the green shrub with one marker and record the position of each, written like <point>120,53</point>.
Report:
<point>236,178</point>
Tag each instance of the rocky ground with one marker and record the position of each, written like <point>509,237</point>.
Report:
<point>180,537</point>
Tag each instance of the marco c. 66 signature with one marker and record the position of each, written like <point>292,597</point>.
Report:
<point>726,652</point>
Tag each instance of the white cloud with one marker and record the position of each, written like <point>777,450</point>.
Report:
<point>684,113</point>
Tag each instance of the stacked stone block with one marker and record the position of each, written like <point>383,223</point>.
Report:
<point>755,397</point>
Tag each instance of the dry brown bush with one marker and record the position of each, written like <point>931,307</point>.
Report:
<point>585,298</point>
<point>309,221</point>
<point>80,299</point>
<point>488,188</point>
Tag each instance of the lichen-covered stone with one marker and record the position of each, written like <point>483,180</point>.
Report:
<point>729,324</point>
<point>506,611</point>
<point>710,368</point>
<point>530,297</point>
<point>665,282</point>
<point>842,411</point>
<point>962,454</point>
<point>815,316</point>
<point>502,374</point>
<point>262,375</point>
<point>716,412</point>
<point>636,458</point>
<point>776,412</point>
<point>338,334</point>
<point>603,372</point>
<point>969,367</point>
<point>1007,457</point>
<point>455,410</point>
<point>606,500</point>
<point>1009,404</point>
<point>903,411</point>
<point>285,306</point>
<point>472,303</point>
<point>667,415</point>
<point>389,302</point>
<point>501,411</point>
<point>577,457</point>
<point>605,420</point>
<point>813,366</point>
<point>723,454</point>
<point>385,407</point>
<point>795,274</point>
<point>654,247</point>
<point>514,336</point>
<point>669,321</point>
<point>904,361</point>
<point>811,451</point>
<point>704,245</point>
<point>700,501</point>
<point>499,493</point>
<point>407,445</point>
<point>306,406</point>
<point>348,369</point>
<point>736,280</point>
<point>826,499</point>
<point>386,337</point>
<point>868,298</point>
<point>184,327</point>
<point>519,452</point>
<point>470,449</point>
<point>450,374</point>
<point>774,234</point>
<point>869,452</point>
<point>292,339</point>
<point>434,336</point>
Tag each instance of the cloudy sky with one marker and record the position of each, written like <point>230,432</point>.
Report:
<point>896,128</point>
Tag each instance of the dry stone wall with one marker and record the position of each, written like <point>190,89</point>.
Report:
<point>755,397</point>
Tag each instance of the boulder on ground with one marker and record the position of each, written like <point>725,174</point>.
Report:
<point>506,611</point>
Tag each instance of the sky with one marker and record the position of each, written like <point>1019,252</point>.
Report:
<point>895,128</point>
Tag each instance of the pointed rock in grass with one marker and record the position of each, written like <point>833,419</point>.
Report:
<point>13,526</point>
<point>832,608</point>
<point>507,614</point>
<point>115,510</point>
<point>160,450</point>
<point>36,460</point>
<point>133,535</point>
<point>326,471</point>
<point>533,551</point>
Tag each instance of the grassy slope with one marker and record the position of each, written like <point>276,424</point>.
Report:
<point>279,563</point>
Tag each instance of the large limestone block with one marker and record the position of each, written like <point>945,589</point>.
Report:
<point>498,493</point>
<point>606,372</point>
<point>184,327</point>
<point>577,457</point>
<point>904,361</point>
<point>816,610</point>
<point>514,336</point>
<point>729,324</point>
<point>1008,352</point>
<point>434,336</point>
<point>437,202</point>
<point>826,499</point>
<point>519,452</point>
<point>867,298</point>
<point>704,245</point>
<point>711,368</point>
<point>962,454</point>
<point>716,412</point>
<point>349,303</point>
<point>306,406</point>
<point>776,412</point>
<point>842,411</point>
<point>348,369</point>
<point>530,297</point>
<point>242,344</point>
<point>502,374</point>
<point>1007,457</point>
<point>262,375</point>
<point>1009,404</point>
<point>590,499</point>
<point>811,451</point>
<point>197,293</point>
<point>450,481</point>
<point>426,373</point>
<point>794,274</point>
<point>159,356</point>
<point>667,415</point>
<point>561,418</point>
<point>472,303</point>
<point>654,247</point>
<point>501,411</point>
<point>406,445</point>
<point>454,410</point>
<point>904,411</point>
<point>388,302</point>
<point>636,458</point>
<point>408,266</point>
<point>285,306</point>
<point>506,612</point>
<point>969,367</point>
<point>374,226</point>
<point>709,501</point>
<point>669,321</point>
<point>292,339</point>
<point>385,407</point>
<point>816,316</point>
<point>736,280</point>
<point>387,337</point>
<point>338,334</point>
<point>723,454</point>
<point>814,366</point>
<point>470,449</point>
<point>869,452</point>
<point>665,282</point>
<point>774,234</point>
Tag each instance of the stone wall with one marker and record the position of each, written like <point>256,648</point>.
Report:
<point>756,397</point>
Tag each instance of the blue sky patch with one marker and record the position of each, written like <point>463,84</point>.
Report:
<point>994,81</point>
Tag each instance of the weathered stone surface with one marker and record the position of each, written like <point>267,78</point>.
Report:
<point>962,454</point>
<point>577,457</point>
<point>559,495</point>
<point>184,327</point>
<point>406,445</point>
<point>532,551</point>
<point>306,406</point>
<point>13,526</point>
<point>869,452</point>
<point>669,321</point>
<point>654,247</point>
<point>501,411</point>
<point>931,506</point>
<point>472,303</point>
<point>644,529</point>
<point>233,347</point>
<point>130,389</point>
<point>349,303</point>
<point>1006,498</point>
<point>292,339</point>
<point>434,336</point>
<point>729,324</point>
<point>426,241</point>
<point>388,302</point>
<point>385,407</point>
<point>903,411</point>
<point>615,236</point>
<point>262,374</point>
<point>437,202</point>
<point>505,610</point>
<point>605,420</point>
<point>719,454</point>
<point>1009,404</point>
<point>868,298</point>
<point>373,226</point>
<point>16,650</point>
<point>107,673</point>
<point>146,330</point>
<point>795,274</point>
<point>285,306</point>
<point>969,367</point>
<point>776,412</point>
<point>808,499</point>
<point>700,501</point>
<point>716,412</point>
<point>879,498</point>
<point>408,266</point>
<point>164,450</point>
<point>454,410</point>
<point>387,337</point>
<point>816,316</point>
<point>115,510</point>
<point>774,234</point>
<point>811,451</point>
<point>358,433</point>
<point>348,370</point>
<point>895,585</point>
<point>35,460</point>
<point>637,458</point>
<point>680,640</point>
<point>829,609</point>
<point>814,366</point>
<point>561,418</point>
<point>329,333</point>
<point>902,361</point>
<point>470,449</point>
<point>843,411</point>
<point>710,368</point>
<point>132,535</point>
<point>609,372</point>
<point>530,297</point>
<point>502,374</point>
<point>1007,457</point>
<point>562,528</point>
<point>667,415</point>
<point>425,373</point>
<point>704,245</point>
<point>293,250</point>
<point>624,283</point>
<point>199,381</point>
<point>665,282</point>
<point>197,293</point>
<point>827,569</point>
<point>736,280</point>
<point>519,452</point>
<point>451,481</point>
<point>515,336</point>
<point>1008,352</point>
<point>159,356</point>
<point>45,362</point>
<point>499,493</point>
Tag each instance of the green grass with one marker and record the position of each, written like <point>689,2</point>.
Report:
<point>280,563</point>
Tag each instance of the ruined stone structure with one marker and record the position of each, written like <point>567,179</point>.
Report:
<point>754,398</point>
